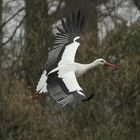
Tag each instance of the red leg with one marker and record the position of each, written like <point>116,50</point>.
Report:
<point>35,96</point>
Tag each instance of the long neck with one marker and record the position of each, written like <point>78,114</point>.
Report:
<point>92,65</point>
<point>85,67</point>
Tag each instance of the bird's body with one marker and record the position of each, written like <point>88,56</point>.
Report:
<point>59,79</point>
<point>77,68</point>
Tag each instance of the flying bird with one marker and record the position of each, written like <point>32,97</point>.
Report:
<point>59,79</point>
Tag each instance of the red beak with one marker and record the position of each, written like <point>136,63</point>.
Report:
<point>110,65</point>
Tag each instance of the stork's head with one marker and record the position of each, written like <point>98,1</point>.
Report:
<point>102,62</point>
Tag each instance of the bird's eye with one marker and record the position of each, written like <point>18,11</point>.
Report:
<point>102,61</point>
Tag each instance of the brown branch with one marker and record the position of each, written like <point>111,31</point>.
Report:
<point>16,13</point>
<point>14,32</point>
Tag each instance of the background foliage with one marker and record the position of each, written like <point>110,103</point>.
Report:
<point>113,113</point>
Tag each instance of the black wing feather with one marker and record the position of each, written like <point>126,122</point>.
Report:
<point>71,28</point>
<point>60,94</point>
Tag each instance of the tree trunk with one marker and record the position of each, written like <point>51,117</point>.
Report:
<point>37,39</point>
<point>1,47</point>
<point>137,3</point>
<point>2,102</point>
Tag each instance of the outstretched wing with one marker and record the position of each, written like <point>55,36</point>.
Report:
<point>65,90</point>
<point>66,41</point>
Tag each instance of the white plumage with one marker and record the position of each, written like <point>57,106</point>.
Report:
<point>69,54</point>
<point>42,84</point>
<point>59,77</point>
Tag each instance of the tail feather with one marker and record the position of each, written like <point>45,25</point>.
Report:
<point>41,86</point>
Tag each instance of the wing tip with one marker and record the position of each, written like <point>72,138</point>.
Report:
<point>73,23</point>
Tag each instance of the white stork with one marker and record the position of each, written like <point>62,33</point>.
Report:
<point>59,77</point>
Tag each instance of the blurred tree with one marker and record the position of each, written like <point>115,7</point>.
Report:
<point>37,39</point>
<point>114,112</point>
<point>137,3</point>
<point>1,47</point>
<point>1,54</point>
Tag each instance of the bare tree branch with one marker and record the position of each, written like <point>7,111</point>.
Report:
<point>14,32</point>
<point>110,9</point>
<point>21,9</point>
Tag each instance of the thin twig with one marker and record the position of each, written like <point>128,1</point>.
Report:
<point>3,24</point>
<point>14,32</point>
